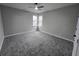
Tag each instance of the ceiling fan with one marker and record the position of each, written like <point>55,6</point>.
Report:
<point>37,6</point>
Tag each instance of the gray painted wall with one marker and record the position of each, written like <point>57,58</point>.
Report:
<point>1,31</point>
<point>61,22</point>
<point>16,21</point>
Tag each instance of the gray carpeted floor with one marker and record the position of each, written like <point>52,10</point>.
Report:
<point>36,44</point>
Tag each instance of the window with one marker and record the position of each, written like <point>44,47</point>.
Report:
<point>34,21</point>
<point>37,21</point>
<point>40,21</point>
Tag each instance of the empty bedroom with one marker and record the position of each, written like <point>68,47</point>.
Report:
<point>39,29</point>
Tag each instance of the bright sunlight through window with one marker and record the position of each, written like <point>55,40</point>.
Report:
<point>34,21</point>
<point>40,21</point>
<point>37,21</point>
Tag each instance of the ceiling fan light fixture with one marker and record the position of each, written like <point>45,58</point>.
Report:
<point>36,8</point>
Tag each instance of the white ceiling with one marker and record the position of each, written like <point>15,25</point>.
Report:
<point>47,6</point>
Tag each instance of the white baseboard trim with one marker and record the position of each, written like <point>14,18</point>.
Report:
<point>41,31</point>
<point>1,43</point>
<point>58,36</point>
<point>16,34</point>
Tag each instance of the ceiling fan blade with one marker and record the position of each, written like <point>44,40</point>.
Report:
<point>40,6</point>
